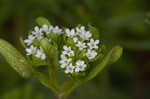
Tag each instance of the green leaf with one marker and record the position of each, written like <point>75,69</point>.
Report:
<point>112,56</point>
<point>15,59</point>
<point>41,20</point>
<point>116,54</point>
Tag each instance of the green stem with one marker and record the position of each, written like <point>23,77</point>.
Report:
<point>53,79</point>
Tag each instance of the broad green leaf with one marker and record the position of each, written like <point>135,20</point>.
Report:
<point>112,56</point>
<point>41,20</point>
<point>15,59</point>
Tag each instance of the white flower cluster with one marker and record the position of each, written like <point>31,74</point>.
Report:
<point>69,63</point>
<point>38,34</point>
<point>66,61</point>
<point>83,41</point>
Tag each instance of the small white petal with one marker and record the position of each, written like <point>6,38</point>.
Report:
<point>43,57</point>
<point>70,33</point>
<point>57,30</point>
<point>30,40</point>
<point>75,39</point>
<point>81,45</point>
<point>63,66</point>
<point>36,29</point>
<point>31,50</point>
<point>97,41</point>
<point>40,54</point>
<point>68,51</point>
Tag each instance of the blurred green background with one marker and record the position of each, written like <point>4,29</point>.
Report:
<point>120,22</point>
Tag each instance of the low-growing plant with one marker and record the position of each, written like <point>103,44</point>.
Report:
<point>77,52</point>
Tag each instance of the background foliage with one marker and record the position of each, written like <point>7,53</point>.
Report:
<point>123,22</point>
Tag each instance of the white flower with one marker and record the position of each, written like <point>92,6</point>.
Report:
<point>70,33</point>
<point>68,51</point>
<point>80,66</point>
<point>69,69</point>
<point>85,35</point>
<point>57,30</point>
<point>36,30</point>
<point>31,50</point>
<point>91,54</point>
<point>47,29</point>
<point>82,39</point>
<point>30,40</point>
<point>65,62</point>
<point>81,29</point>
<point>80,45</point>
<point>40,54</point>
<point>63,56</point>
<point>93,44</point>
<point>38,33</point>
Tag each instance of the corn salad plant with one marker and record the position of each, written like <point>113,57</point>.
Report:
<point>76,52</point>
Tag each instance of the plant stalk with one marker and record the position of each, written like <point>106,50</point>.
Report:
<point>53,79</point>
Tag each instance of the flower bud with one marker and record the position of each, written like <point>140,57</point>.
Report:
<point>50,50</point>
